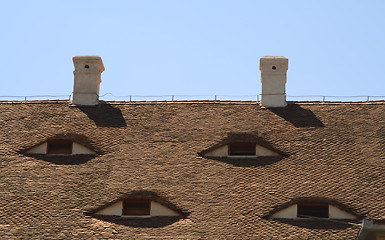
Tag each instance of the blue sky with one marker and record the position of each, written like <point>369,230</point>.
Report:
<point>181,47</point>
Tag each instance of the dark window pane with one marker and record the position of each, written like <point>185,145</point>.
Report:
<point>237,149</point>
<point>59,147</point>
<point>320,210</point>
<point>136,207</point>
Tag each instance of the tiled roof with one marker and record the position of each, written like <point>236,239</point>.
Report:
<point>334,151</point>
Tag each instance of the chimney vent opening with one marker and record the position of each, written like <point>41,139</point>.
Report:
<point>86,66</point>
<point>273,67</point>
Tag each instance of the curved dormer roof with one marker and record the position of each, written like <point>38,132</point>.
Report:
<point>63,149</point>
<point>313,207</point>
<point>243,145</point>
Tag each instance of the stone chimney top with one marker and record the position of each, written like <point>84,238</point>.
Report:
<point>273,78</point>
<point>87,79</point>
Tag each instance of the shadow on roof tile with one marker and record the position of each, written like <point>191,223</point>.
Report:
<point>152,222</point>
<point>64,160</point>
<point>319,223</point>
<point>248,162</point>
<point>381,135</point>
<point>104,115</point>
<point>298,116</point>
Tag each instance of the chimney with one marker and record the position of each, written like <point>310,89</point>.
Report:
<point>273,78</point>
<point>87,78</point>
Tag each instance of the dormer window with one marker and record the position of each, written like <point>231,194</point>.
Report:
<point>136,207</point>
<point>59,147</point>
<point>241,149</point>
<point>139,208</point>
<point>243,145</point>
<point>312,209</point>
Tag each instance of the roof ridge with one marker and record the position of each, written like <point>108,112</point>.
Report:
<point>202,101</point>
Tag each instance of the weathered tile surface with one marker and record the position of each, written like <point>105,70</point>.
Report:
<point>335,151</point>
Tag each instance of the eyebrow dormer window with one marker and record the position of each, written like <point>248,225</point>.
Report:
<point>241,149</point>
<point>313,209</point>
<point>136,207</point>
<point>59,147</point>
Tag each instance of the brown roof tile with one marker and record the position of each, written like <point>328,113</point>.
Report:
<point>334,151</point>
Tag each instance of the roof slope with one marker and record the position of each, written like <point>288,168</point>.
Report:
<point>335,151</point>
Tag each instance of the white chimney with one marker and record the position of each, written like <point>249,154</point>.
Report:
<point>273,78</point>
<point>87,79</point>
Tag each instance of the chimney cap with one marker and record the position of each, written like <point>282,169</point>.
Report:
<point>273,60</point>
<point>91,58</point>
<point>87,57</point>
<point>273,57</point>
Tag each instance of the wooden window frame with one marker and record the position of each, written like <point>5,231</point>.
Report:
<point>241,144</point>
<point>312,204</point>
<point>133,202</point>
<point>50,142</point>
